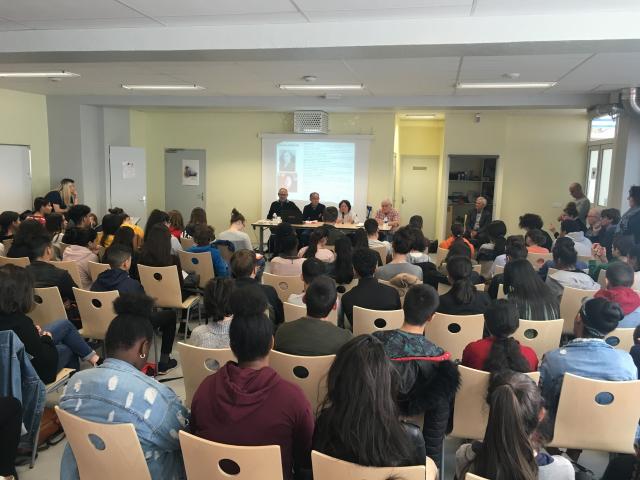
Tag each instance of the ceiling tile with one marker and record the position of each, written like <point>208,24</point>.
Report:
<point>603,69</point>
<point>388,13</point>
<point>346,5</point>
<point>530,67</point>
<point>240,19</point>
<point>60,24</point>
<point>63,9</point>
<point>551,7</point>
<point>172,8</point>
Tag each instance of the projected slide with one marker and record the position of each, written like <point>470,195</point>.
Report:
<point>325,167</point>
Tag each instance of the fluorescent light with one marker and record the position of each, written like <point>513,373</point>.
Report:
<point>162,87</point>
<point>506,85</point>
<point>59,74</point>
<point>348,86</point>
<point>418,116</point>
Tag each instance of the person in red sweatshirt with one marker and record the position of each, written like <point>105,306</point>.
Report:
<point>248,403</point>
<point>620,278</point>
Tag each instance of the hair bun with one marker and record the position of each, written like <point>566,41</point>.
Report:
<point>602,314</point>
<point>234,211</point>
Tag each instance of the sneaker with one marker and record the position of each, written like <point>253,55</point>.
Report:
<point>164,368</point>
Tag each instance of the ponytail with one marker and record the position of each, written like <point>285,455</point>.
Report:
<point>459,269</point>
<point>502,320</point>
<point>315,237</point>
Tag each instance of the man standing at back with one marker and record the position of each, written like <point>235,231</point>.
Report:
<point>583,204</point>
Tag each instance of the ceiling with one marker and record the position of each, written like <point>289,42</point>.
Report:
<point>407,53</point>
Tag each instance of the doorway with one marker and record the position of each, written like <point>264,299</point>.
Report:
<point>600,159</point>
<point>419,190</point>
<point>15,183</point>
<point>185,174</point>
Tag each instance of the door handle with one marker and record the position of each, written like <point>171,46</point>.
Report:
<point>201,196</point>
<point>402,201</point>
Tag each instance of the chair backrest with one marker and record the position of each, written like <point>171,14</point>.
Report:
<point>498,270</point>
<point>597,414</point>
<point>537,260</point>
<point>602,278</point>
<point>187,243</point>
<point>18,262</point>
<point>47,306</point>
<point>329,468</point>
<point>501,293</point>
<point>309,373</point>
<point>96,311</point>
<point>570,305</point>
<point>343,288</point>
<point>62,246</point>
<point>621,338</point>
<point>367,321</point>
<point>225,252</point>
<point>284,285</point>
<point>104,451</point>
<point>294,312</point>
<point>471,476</point>
<point>382,252</point>
<point>205,460</point>
<point>71,267</point>
<point>477,268</point>
<point>541,335</point>
<point>200,263</point>
<point>198,363</point>
<point>162,284</point>
<point>96,269</point>
<point>454,332</point>
<point>471,412</point>
<point>551,271</point>
<point>441,255</point>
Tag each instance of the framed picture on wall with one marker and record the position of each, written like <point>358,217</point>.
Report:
<point>190,172</point>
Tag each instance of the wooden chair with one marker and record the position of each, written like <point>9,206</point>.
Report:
<point>96,311</point>
<point>343,288</point>
<point>294,312</point>
<point>71,267</point>
<point>498,270</point>
<point>471,476</point>
<point>609,427</point>
<point>602,278</point>
<point>585,258</point>
<point>537,260</point>
<point>477,268</point>
<point>47,306</point>
<point>198,363</point>
<point>621,338</point>
<point>284,285</point>
<point>7,244</point>
<point>541,335</point>
<point>471,412</point>
<point>309,373</point>
<point>570,305</point>
<point>501,293</point>
<point>199,263</point>
<point>96,269</point>
<point>367,321</point>
<point>62,246</point>
<point>382,252</point>
<point>551,271</point>
<point>205,460</point>
<point>454,332</point>
<point>18,262</point>
<point>118,454</point>
<point>187,243</point>
<point>441,255</point>
<point>329,468</point>
<point>225,252</point>
<point>163,285</point>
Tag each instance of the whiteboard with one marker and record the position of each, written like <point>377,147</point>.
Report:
<point>15,180</point>
<point>128,181</point>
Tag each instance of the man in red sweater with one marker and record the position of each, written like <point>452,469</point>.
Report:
<point>248,403</point>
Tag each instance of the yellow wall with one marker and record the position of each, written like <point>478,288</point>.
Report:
<point>234,154</point>
<point>23,121</point>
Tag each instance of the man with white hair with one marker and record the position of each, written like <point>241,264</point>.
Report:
<point>478,218</point>
<point>387,215</point>
<point>594,228</point>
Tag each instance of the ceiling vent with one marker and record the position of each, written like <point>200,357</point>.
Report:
<point>310,121</point>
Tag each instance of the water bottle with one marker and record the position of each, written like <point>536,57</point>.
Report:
<point>275,218</point>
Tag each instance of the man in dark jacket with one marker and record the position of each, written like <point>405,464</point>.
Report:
<point>330,218</point>
<point>314,210</point>
<point>45,274</point>
<point>283,207</point>
<point>477,220</point>
<point>428,378</point>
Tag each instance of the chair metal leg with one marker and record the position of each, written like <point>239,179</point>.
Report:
<point>186,326</point>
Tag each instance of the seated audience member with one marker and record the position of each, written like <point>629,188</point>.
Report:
<point>41,208</point>
<point>516,242</point>
<point>500,351</point>
<point>118,392</point>
<point>235,233</point>
<point>46,274</point>
<point>573,230</point>
<point>279,231</point>
<point>127,222</point>
<point>287,263</point>
<point>588,355</point>
<point>609,220</point>
<point>343,266</point>
<point>514,250</point>
<point>81,250</point>
<point>217,303</point>
<point>565,258</point>
<point>176,223</point>
<point>111,222</point>
<point>463,298</point>
<point>78,216</point>
<point>495,232</point>
<point>457,234</point>
<point>524,288</point>
<point>620,250</point>
<point>330,217</point>
<point>531,221</point>
<point>402,241</point>
<point>94,225</point>
<point>10,432</point>
<point>203,235</point>
<point>244,267</point>
<point>416,222</point>
<point>157,251</point>
<point>125,237</point>
<point>20,247</point>
<point>594,229</point>
<point>372,229</point>
<point>248,403</point>
<point>570,212</point>
<point>358,420</point>
<point>317,242</point>
<point>439,275</point>
<point>159,217</point>
<point>428,379</point>
<point>360,239</point>
<point>477,220</point>
<point>56,224</point>
<point>634,260</point>
<point>368,293</point>
<point>635,349</point>
<point>9,223</point>
<point>117,278</point>
<point>619,282</point>
<point>312,268</point>
<point>313,334</point>
<point>57,345</point>
<point>198,217</point>
<point>512,447</point>
<point>535,240</point>
<point>419,246</point>
<point>314,210</point>
<point>387,215</point>
<point>345,216</point>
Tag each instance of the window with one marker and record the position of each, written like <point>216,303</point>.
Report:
<point>602,133</point>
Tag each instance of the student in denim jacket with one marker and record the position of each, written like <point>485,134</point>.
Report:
<point>118,392</point>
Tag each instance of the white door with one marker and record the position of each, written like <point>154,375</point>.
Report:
<point>15,181</point>
<point>128,181</point>
<point>599,173</point>
<point>418,190</point>
<point>184,179</point>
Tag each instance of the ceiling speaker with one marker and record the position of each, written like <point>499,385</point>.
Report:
<point>310,121</point>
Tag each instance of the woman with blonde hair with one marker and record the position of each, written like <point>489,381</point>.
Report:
<point>64,197</point>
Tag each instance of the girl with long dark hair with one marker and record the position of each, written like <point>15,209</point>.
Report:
<point>317,242</point>
<point>526,290</point>
<point>198,217</point>
<point>343,266</point>
<point>358,419</point>
<point>158,216</point>
<point>111,222</point>
<point>463,298</point>
<point>156,251</point>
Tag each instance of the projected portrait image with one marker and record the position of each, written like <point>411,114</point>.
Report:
<point>288,180</point>
<point>287,161</point>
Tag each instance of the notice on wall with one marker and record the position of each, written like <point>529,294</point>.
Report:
<point>128,170</point>
<point>190,172</point>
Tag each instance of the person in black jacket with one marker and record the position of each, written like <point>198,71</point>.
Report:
<point>463,298</point>
<point>531,221</point>
<point>428,378</point>
<point>314,210</point>
<point>369,293</point>
<point>630,221</point>
<point>45,274</point>
<point>358,419</point>
<point>477,220</point>
<point>283,207</point>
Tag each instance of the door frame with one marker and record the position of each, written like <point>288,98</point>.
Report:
<point>599,146</point>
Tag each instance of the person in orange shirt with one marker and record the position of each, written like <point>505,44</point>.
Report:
<point>457,231</point>
<point>534,239</point>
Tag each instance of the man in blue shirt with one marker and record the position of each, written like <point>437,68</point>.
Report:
<point>203,236</point>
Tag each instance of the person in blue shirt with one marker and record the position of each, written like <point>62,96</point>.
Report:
<point>118,392</point>
<point>203,235</point>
